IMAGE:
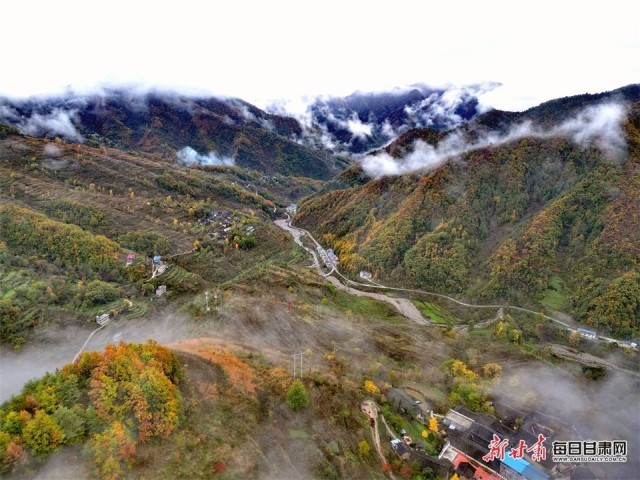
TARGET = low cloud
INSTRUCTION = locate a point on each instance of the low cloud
(358, 121)
(388, 131)
(7, 113)
(358, 128)
(58, 123)
(52, 150)
(602, 410)
(250, 117)
(423, 157)
(189, 156)
(598, 126)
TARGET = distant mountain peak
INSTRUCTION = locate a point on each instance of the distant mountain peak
(363, 121)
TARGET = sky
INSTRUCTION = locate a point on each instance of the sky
(265, 51)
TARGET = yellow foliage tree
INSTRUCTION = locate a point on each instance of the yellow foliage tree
(364, 449)
(460, 369)
(370, 387)
(492, 370)
(433, 425)
(574, 338)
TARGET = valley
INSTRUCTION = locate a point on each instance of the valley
(494, 292)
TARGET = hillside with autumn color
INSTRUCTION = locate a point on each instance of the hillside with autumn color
(192, 130)
(540, 220)
(163, 316)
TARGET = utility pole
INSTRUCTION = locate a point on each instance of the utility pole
(206, 296)
(297, 364)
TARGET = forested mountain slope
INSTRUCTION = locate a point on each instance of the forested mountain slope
(538, 216)
(200, 130)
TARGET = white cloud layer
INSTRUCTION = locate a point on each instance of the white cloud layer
(539, 50)
(598, 126)
(55, 124)
(189, 156)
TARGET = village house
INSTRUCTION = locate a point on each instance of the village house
(403, 403)
(440, 468)
(130, 259)
(588, 334)
(469, 435)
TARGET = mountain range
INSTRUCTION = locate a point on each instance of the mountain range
(363, 121)
(540, 206)
(205, 131)
(154, 212)
(216, 130)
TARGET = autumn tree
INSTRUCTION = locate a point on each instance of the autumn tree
(492, 370)
(433, 425)
(574, 338)
(42, 434)
(107, 397)
(148, 243)
(112, 450)
(11, 452)
(618, 307)
(370, 387)
(297, 396)
(364, 449)
(99, 293)
(71, 422)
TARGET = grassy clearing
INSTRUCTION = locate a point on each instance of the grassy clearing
(366, 307)
(480, 332)
(430, 392)
(554, 297)
(436, 313)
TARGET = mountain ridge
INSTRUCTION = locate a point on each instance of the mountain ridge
(218, 131)
(499, 221)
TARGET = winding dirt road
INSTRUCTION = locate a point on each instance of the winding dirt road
(370, 409)
(402, 305)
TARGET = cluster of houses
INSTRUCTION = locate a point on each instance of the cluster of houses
(365, 275)
(471, 442)
(221, 223)
(588, 334)
(292, 209)
(328, 256)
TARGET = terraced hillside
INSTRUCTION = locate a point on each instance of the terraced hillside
(131, 202)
